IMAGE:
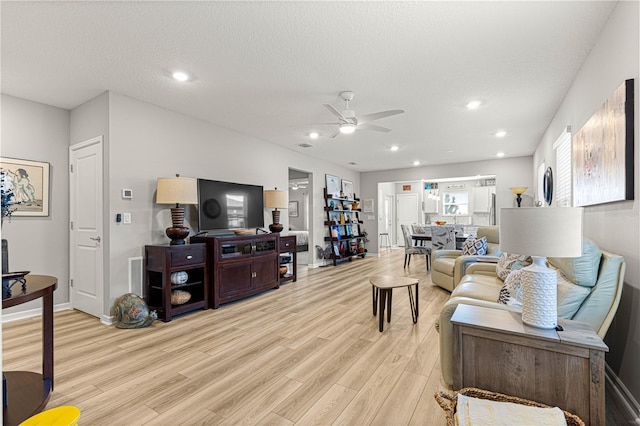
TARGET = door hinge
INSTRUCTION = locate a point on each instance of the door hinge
(71, 168)
(71, 282)
(71, 225)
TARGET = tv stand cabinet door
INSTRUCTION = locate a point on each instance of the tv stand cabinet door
(233, 280)
(266, 271)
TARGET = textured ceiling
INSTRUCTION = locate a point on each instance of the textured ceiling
(265, 68)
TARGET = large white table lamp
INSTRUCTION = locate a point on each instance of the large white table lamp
(541, 233)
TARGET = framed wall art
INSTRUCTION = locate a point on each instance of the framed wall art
(347, 189)
(333, 186)
(293, 209)
(29, 182)
(603, 152)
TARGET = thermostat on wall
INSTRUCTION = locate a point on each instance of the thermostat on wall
(127, 193)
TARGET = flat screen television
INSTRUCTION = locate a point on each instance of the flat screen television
(227, 205)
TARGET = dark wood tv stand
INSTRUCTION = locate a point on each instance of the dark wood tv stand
(240, 266)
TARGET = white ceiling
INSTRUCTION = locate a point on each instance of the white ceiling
(265, 68)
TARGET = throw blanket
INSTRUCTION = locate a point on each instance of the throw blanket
(477, 411)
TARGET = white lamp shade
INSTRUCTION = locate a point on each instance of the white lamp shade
(548, 232)
(177, 190)
(275, 199)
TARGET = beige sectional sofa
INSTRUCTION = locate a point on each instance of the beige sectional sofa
(590, 294)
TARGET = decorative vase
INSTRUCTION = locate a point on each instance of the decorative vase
(179, 278)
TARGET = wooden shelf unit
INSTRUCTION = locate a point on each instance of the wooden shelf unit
(287, 250)
(163, 260)
(344, 225)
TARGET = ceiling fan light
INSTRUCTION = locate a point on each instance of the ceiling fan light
(347, 128)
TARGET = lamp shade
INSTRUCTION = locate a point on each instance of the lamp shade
(177, 190)
(518, 189)
(548, 232)
(275, 199)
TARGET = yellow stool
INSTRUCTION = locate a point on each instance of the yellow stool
(65, 415)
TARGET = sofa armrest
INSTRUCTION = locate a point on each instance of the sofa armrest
(445, 253)
(482, 268)
(462, 264)
(445, 329)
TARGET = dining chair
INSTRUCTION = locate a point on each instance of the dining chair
(410, 249)
(443, 237)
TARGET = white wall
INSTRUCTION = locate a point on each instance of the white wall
(614, 226)
(34, 131)
(508, 171)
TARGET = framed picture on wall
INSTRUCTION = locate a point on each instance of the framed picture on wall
(28, 181)
(293, 209)
(333, 186)
(347, 189)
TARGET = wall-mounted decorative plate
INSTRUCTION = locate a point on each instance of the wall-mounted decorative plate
(548, 186)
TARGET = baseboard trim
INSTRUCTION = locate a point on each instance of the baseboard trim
(622, 396)
(107, 319)
(34, 312)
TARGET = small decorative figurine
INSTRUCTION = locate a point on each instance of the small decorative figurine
(132, 312)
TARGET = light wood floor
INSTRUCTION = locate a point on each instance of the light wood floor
(307, 353)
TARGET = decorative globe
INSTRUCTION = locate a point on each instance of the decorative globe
(179, 278)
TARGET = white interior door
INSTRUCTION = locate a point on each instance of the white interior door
(86, 236)
(407, 213)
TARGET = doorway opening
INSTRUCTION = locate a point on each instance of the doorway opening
(300, 207)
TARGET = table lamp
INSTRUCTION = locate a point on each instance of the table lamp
(536, 232)
(177, 190)
(518, 190)
(274, 199)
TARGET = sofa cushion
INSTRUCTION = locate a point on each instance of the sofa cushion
(581, 270)
(475, 246)
(509, 262)
(511, 291)
(570, 295)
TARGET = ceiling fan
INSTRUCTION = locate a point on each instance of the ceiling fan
(298, 184)
(348, 122)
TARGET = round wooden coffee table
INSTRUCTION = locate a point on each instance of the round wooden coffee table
(382, 291)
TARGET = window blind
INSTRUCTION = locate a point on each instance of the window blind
(563, 184)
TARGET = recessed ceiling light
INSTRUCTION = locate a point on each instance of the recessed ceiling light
(314, 135)
(474, 104)
(500, 154)
(394, 148)
(180, 76)
(416, 163)
(353, 163)
(501, 134)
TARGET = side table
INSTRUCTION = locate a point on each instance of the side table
(28, 393)
(382, 291)
(494, 350)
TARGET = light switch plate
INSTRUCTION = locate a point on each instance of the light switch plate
(126, 218)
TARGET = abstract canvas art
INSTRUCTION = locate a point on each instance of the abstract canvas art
(603, 152)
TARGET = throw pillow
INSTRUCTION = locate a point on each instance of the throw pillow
(511, 291)
(509, 262)
(570, 295)
(475, 246)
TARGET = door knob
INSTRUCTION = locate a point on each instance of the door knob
(95, 239)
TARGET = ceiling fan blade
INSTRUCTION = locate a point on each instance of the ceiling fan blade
(368, 126)
(333, 136)
(322, 124)
(335, 112)
(378, 115)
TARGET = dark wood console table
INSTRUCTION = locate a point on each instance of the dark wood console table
(28, 392)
